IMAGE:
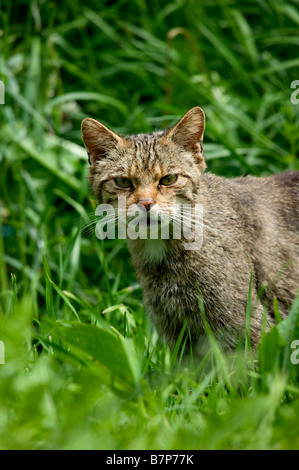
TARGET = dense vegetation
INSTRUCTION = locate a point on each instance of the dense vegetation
(83, 366)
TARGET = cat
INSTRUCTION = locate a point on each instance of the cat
(250, 232)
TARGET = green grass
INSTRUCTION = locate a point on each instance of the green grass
(84, 367)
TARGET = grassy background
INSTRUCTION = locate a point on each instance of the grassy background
(84, 368)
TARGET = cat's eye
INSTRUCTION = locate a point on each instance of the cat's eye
(123, 182)
(168, 179)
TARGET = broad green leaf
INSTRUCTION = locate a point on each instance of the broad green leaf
(112, 351)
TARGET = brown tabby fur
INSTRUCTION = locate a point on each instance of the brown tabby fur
(249, 224)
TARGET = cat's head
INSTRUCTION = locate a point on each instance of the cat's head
(161, 169)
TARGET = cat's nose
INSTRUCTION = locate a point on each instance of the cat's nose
(147, 203)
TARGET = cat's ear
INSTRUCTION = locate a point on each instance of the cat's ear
(188, 132)
(98, 139)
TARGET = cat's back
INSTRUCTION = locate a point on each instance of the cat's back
(287, 185)
(287, 182)
(275, 196)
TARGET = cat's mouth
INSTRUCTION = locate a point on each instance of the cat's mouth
(149, 221)
(153, 222)
(149, 217)
(153, 218)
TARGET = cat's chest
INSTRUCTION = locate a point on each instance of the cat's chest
(168, 284)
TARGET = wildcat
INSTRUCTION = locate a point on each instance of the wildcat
(250, 228)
